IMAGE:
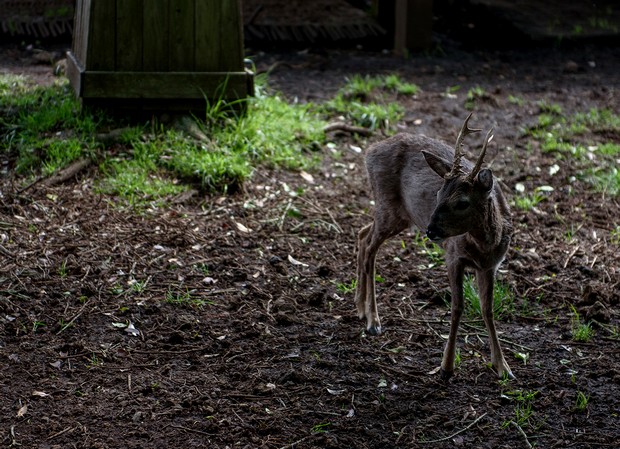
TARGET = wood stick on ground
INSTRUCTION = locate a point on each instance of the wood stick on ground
(340, 126)
(67, 173)
(522, 433)
(473, 423)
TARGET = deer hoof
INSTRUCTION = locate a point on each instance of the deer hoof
(374, 330)
(445, 375)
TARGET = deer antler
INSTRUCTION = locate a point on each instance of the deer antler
(458, 154)
(480, 160)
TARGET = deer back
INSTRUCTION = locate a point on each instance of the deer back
(402, 181)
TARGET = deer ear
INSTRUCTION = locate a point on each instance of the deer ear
(484, 179)
(439, 165)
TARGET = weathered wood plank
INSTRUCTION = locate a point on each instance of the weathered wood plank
(101, 42)
(129, 35)
(76, 45)
(181, 42)
(155, 35)
(74, 73)
(219, 44)
(231, 53)
(163, 85)
(413, 25)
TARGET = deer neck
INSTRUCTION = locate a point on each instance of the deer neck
(495, 228)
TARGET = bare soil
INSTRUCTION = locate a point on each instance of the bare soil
(241, 336)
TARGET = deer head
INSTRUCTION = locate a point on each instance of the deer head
(461, 200)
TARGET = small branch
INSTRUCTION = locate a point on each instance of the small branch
(67, 173)
(296, 442)
(570, 256)
(473, 423)
(6, 252)
(188, 429)
(522, 433)
(65, 326)
(340, 126)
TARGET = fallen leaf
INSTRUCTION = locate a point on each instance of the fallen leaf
(57, 364)
(131, 330)
(434, 371)
(22, 411)
(40, 394)
(355, 149)
(307, 177)
(335, 392)
(242, 228)
(296, 262)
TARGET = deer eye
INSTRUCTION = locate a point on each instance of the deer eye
(461, 205)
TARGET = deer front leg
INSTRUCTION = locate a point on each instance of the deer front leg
(366, 281)
(361, 284)
(486, 280)
(455, 276)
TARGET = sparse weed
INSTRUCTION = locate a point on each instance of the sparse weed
(581, 402)
(394, 83)
(347, 288)
(581, 331)
(94, 361)
(320, 428)
(474, 95)
(36, 325)
(361, 101)
(524, 412)
(184, 298)
(518, 101)
(559, 134)
(62, 269)
(457, 358)
(528, 201)
(138, 286)
(550, 108)
(503, 299)
(428, 249)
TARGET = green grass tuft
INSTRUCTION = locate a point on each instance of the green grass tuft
(503, 299)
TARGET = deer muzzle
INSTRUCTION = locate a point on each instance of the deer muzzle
(434, 233)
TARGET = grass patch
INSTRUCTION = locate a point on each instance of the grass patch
(528, 201)
(41, 127)
(503, 299)
(581, 402)
(581, 331)
(368, 101)
(566, 136)
(43, 131)
(430, 250)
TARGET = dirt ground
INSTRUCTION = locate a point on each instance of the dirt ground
(240, 335)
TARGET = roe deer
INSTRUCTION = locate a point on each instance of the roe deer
(421, 181)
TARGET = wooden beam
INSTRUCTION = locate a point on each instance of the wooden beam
(157, 85)
(413, 25)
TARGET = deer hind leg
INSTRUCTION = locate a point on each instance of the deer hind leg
(485, 288)
(455, 276)
(370, 239)
(360, 287)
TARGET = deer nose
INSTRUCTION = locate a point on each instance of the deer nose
(433, 233)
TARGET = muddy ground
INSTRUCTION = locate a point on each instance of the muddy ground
(242, 334)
